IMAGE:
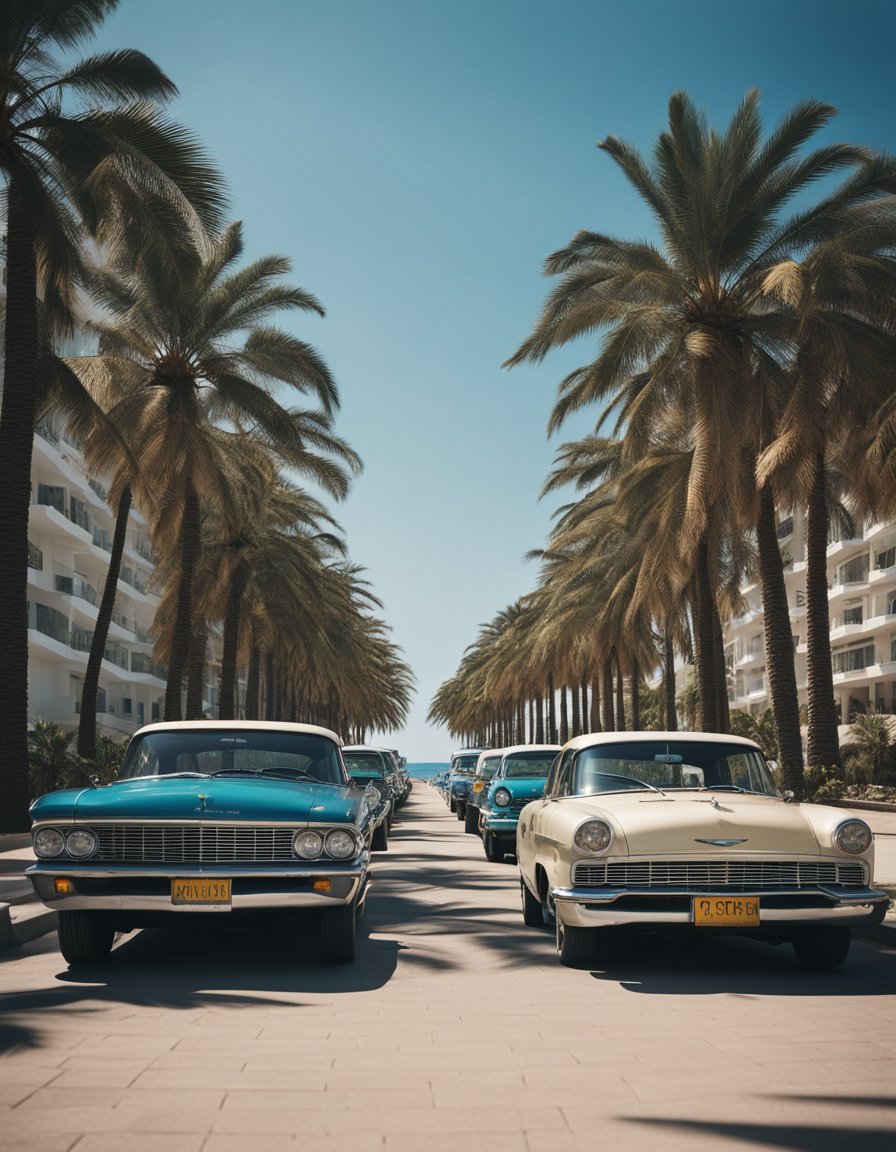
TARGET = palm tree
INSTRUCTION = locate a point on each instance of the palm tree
(187, 350)
(841, 296)
(691, 323)
(67, 174)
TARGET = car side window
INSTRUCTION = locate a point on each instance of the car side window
(558, 778)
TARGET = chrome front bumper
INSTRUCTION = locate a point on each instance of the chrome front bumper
(599, 907)
(148, 889)
(500, 824)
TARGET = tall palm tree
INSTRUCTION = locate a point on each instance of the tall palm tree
(692, 321)
(67, 173)
(841, 295)
(186, 351)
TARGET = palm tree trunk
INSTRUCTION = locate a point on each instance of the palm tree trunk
(704, 646)
(196, 670)
(721, 670)
(636, 696)
(564, 715)
(539, 720)
(180, 644)
(521, 721)
(227, 695)
(552, 711)
(609, 720)
(669, 682)
(595, 702)
(583, 689)
(576, 714)
(269, 685)
(89, 690)
(779, 661)
(252, 683)
(823, 745)
(16, 442)
(620, 694)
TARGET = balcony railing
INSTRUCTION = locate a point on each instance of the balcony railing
(785, 528)
(76, 586)
(35, 557)
(117, 654)
(82, 639)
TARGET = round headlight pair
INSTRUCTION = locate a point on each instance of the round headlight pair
(853, 836)
(79, 843)
(593, 836)
(502, 797)
(311, 845)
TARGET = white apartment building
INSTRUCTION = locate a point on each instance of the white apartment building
(862, 599)
(70, 531)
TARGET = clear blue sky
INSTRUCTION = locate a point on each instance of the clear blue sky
(417, 160)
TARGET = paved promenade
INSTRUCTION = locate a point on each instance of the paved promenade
(456, 1029)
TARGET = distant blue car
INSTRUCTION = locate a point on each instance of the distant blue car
(460, 779)
(519, 779)
(209, 818)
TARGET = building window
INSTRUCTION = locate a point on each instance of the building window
(854, 571)
(853, 659)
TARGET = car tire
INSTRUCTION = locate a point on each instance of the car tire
(84, 937)
(461, 809)
(338, 934)
(575, 946)
(494, 850)
(533, 913)
(452, 805)
(471, 819)
(823, 947)
(380, 841)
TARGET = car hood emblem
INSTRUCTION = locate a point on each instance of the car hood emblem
(720, 843)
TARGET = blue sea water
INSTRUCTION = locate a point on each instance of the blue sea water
(426, 771)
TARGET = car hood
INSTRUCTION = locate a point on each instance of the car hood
(190, 798)
(681, 824)
(521, 788)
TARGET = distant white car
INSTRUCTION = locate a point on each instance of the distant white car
(686, 831)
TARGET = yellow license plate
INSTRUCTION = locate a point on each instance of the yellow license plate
(737, 911)
(200, 892)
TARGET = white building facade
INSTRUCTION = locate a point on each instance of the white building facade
(862, 603)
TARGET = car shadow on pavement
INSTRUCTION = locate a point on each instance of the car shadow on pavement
(799, 1137)
(725, 965)
(193, 967)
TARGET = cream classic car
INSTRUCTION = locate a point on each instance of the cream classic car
(686, 831)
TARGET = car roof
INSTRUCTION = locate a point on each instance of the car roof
(238, 726)
(594, 739)
(514, 749)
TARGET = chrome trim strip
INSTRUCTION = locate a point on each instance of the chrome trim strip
(207, 820)
(239, 903)
(841, 898)
(206, 871)
(597, 918)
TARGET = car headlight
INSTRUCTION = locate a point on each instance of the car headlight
(80, 843)
(593, 836)
(309, 845)
(502, 797)
(853, 836)
(48, 842)
(341, 844)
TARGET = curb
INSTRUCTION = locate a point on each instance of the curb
(865, 805)
(21, 923)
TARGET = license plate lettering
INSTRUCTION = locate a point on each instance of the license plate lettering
(205, 892)
(738, 911)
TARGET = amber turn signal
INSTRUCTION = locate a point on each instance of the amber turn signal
(63, 886)
(322, 885)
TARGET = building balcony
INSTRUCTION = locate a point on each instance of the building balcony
(840, 549)
(45, 518)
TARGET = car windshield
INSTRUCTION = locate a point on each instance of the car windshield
(242, 752)
(464, 765)
(367, 764)
(670, 764)
(526, 764)
(488, 768)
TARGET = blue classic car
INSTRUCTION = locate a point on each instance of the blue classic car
(520, 778)
(486, 767)
(208, 818)
(460, 779)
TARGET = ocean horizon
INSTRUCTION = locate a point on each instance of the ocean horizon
(423, 770)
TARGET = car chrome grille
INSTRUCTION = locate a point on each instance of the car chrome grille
(711, 875)
(194, 843)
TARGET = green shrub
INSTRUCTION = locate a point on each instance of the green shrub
(50, 759)
(824, 782)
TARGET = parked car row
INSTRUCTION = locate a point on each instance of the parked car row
(244, 819)
(657, 832)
